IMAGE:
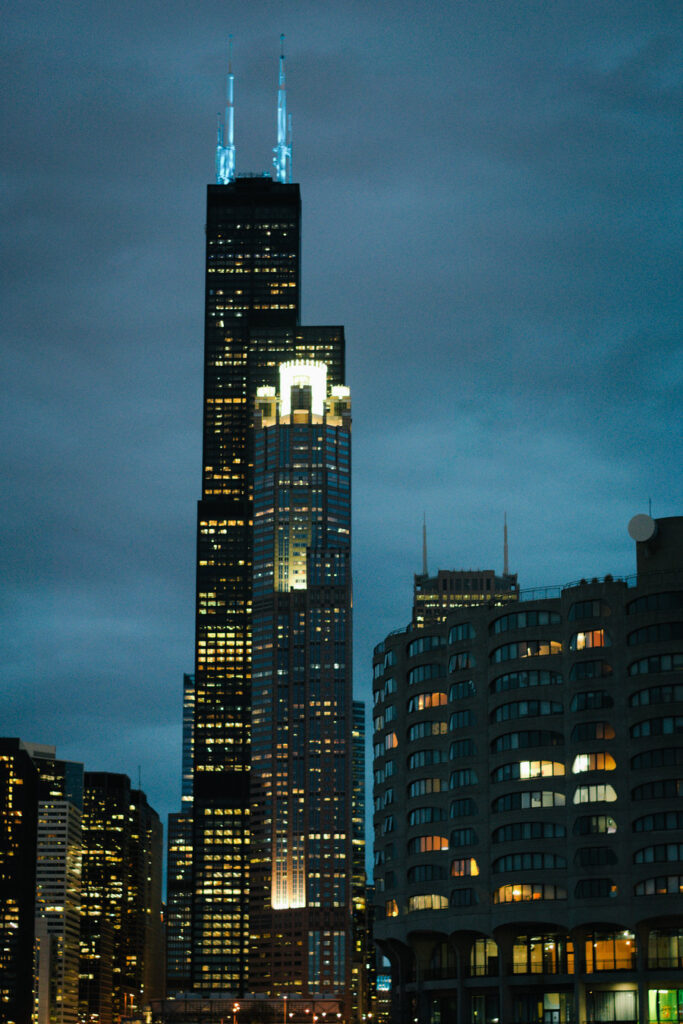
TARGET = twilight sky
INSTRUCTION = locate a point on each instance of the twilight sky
(491, 205)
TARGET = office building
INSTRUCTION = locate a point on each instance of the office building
(58, 885)
(528, 822)
(18, 831)
(121, 962)
(302, 720)
(252, 325)
(179, 863)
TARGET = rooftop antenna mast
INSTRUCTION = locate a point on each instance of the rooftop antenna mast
(225, 147)
(283, 151)
(506, 567)
(425, 571)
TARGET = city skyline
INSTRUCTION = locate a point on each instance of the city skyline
(525, 353)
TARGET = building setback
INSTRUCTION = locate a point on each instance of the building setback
(527, 781)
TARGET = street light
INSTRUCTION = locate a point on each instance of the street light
(235, 1011)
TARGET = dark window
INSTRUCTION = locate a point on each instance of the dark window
(656, 633)
(656, 602)
(521, 680)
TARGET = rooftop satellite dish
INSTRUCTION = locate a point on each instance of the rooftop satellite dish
(642, 528)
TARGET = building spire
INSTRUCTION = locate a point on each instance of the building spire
(225, 146)
(425, 571)
(506, 567)
(283, 151)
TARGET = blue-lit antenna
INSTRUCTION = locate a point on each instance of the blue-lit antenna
(283, 151)
(225, 153)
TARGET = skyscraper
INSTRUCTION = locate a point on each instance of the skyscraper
(18, 826)
(58, 884)
(251, 326)
(301, 767)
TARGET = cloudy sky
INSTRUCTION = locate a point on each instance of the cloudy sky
(491, 197)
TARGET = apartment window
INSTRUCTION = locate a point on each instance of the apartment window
(424, 643)
(427, 901)
(656, 633)
(591, 638)
(427, 844)
(461, 660)
(662, 821)
(590, 670)
(659, 854)
(464, 866)
(657, 663)
(462, 748)
(463, 631)
(595, 888)
(591, 700)
(525, 709)
(526, 649)
(594, 825)
(522, 620)
(522, 680)
(517, 830)
(598, 762)
(526, 892)
(601, 793)
(656, 602)
(461, 690)
(658, 726)
(588, 610)
(527, 800)
(528, 861)
(663, 885)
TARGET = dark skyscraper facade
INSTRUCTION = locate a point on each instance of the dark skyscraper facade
(251, 326)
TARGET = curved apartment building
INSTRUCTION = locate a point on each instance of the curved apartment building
(528, 774)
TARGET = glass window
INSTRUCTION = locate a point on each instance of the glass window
(526, 649)
(525, 709)
(483, 958)
(598, 762)
(595, 888)
(522, 620)
(656, 633)
(424, 815)
(594, 856)
(463, 808)
(657, 695)
(463, 898)
(658, 789)
(665, 757)
(461, 660)
(594, 609)
(665, 1004)
(525, 739)
(461, 690)
(425, 643)
(423, 758)
(462, 748)
(656, 602)
(427, 844)
(463, 631)
(591, 638)
(657, 663)
(463, 837)
(463, 777)
(662, 821)
(427, 901)
(464, 866)
(591, 700)
(601, 793)
(427, 873)
(595, 825)
(663, 885)
(527, 770)
(593, 731)
(422, 787)
(423, 729)
(461, 720)
(528, 861)
(422, 672)
(658, 726)
(517, 830)
(665, 948)
(524, 892)
(590, 670)
(610, 951)
(661, 853)
(528, 799)
(424, 701)
(543, 954)
(522, 680)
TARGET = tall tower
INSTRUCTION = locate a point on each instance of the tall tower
(301, 770)
(251, 326)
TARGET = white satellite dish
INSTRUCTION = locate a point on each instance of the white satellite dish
(642, 528)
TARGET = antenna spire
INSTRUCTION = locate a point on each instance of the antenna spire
(425, 571)
(225, 146)
(506, 567)
(283, 151)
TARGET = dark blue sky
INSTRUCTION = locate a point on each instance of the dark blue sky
(491, 196)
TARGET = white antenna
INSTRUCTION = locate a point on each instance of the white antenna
(425, 571)
(506, 567)
(283, 151)
(225, 153)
